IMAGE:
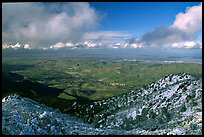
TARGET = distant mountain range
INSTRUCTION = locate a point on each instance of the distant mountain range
(171, 105)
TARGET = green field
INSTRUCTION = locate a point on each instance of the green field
(95, 80)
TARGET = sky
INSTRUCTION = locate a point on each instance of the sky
(102, 24)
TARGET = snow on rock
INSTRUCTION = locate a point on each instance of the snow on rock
(44, 114)
(160, 108)
(132, 114)
(170, 92)
(38, 121)
(3, 100)
(178, 131)
(164, 100)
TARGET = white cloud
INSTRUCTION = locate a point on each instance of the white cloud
(45, 48)
(16, 46)
(57, 45)
(6, 46)
(185, 28)
(69, 44)
(89, 44)
(191, 21)
(200, 43)
(27, 46)
(187, 44)
(42, 24)
(136, 45)
(118, 44)
(69, 25)
(126, 45)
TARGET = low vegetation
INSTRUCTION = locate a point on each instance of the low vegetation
(95, 80)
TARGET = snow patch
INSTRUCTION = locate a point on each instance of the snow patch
(177, 131)
(132, 114)
(43, 115)
(170, 92)
(3, 100)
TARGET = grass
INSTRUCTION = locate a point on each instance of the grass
(48, 82)
(78, 76)
(65, 96)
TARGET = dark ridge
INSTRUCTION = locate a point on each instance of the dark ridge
(8, 67)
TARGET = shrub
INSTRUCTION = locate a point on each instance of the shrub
(152, 115)
(193, 94)
(193, 126)
(144, 111)
(194, 103)
(183, 108)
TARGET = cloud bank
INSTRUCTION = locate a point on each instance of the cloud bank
(42, 24)
(185, 28)
(106, 37)
(70, 25)
(187, 44)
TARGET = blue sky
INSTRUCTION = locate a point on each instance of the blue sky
(112, 24)
(138, 17)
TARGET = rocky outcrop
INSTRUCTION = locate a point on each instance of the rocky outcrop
(171, 105)
(22, 116)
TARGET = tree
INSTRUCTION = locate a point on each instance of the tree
(183, 108)
(128, 123)
(144, 111)
(194, 103)
(152, 115)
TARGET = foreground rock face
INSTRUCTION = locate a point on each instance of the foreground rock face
(22, 116)
(171, 105)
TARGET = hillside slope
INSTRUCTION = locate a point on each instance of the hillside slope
(22, 116)
(171, 105)
(173, 101)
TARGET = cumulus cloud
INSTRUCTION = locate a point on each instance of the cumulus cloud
(42, 24)
(27, 46)
(136, 45)
(70, 45)
(57, 45)
(185, 28)
(118, 44)
(200, 43)
(89, 44)
(16, 46)
(6, 46)
(70, 25)
(187, 44)
(189, 22)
